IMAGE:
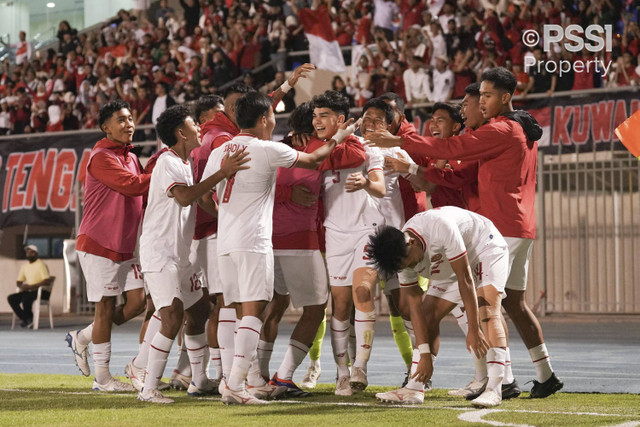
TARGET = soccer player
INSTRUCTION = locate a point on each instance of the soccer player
(507, 150)
(467, 261)
(300, 272)
(216, 130)
(174, 283)
(352, 212)
(245, 254)
(114, 188)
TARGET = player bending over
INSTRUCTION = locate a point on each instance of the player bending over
(437, 243)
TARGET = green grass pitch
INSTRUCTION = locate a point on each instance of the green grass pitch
(47, 400)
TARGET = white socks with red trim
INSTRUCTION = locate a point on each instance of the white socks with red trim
(196, 349)
(296, 352)
(508, 373)
(153, 327)
(495, 368)
(364, 323)
(264, 357)
(214, 354)
(540, 359)
(340, 344)
(101, 358)
(226, 338)
(158, 355)
(246, 343)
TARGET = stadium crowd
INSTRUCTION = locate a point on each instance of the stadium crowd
(164, 56)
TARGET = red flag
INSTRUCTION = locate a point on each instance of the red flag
(629, 133)
(324, 50)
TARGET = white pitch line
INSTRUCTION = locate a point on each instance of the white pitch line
(470, 414)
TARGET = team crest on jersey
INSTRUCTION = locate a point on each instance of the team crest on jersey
(436, 258)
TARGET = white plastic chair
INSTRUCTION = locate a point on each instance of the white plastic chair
(36, 306)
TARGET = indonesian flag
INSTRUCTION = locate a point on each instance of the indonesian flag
(324, 50)
(629, 133)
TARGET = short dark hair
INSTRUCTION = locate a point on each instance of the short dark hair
(386, 250)
(501, 78)
(250, 107)
(109, 109)
(206, 103)
(454, 111)
(392, 96)
(301, 118)
(381, 105)
(241, 88)
(170, 119)
(473, 90)
(333, 100)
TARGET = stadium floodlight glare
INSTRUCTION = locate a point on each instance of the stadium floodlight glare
(51, 5)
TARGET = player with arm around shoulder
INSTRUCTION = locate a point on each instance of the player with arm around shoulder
(167, 230)
(476, 252)
(245, 251)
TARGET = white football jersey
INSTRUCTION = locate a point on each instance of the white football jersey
(245, 215)
(352, 211)
(447, 234)
(167, 227)
(391, 203)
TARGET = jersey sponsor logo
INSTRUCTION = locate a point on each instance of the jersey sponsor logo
(339, 277)
(438, 288)
(436, 258)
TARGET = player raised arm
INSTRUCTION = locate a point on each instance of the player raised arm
(312, 160)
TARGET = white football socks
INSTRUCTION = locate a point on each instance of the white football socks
(226, 338)
(183, 367)
(84, 335)
(214, 354)
(340, 344)
(153, 327)
(508, 373)
(541, 361)
(409, 327)
(246, 343)
(265, 349)
(296, 352)
(364, 323)
(196, 351)
(101, 358)
(158, 355)
(495, 368)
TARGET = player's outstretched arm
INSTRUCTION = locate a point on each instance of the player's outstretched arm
(186, 195)
(413, 298)
(476, 343)
(312, 160)
(383, 139)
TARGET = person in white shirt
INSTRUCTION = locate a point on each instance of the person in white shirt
(167, 230)
(443, 81)
(416, 83)
(384, 13)
(467, 260)
(351, 215)
(245, 251)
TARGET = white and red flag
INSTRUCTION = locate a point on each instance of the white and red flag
(324, 50)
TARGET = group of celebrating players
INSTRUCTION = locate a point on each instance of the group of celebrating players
(232, 228)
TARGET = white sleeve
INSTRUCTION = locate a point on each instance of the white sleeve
(375, 159)
(408, 277)
(448, 240)
(280, 155)
(213, 165)
(169, 174)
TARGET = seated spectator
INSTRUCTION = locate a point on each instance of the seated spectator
(32, 275)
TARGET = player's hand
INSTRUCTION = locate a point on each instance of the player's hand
(300, 139)
(424, 371)
(396, 165)
(476, 343)
(301, 195)
(234, 163)
(355, 181)
(383, 139)
(300, 73)
(346, 129)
